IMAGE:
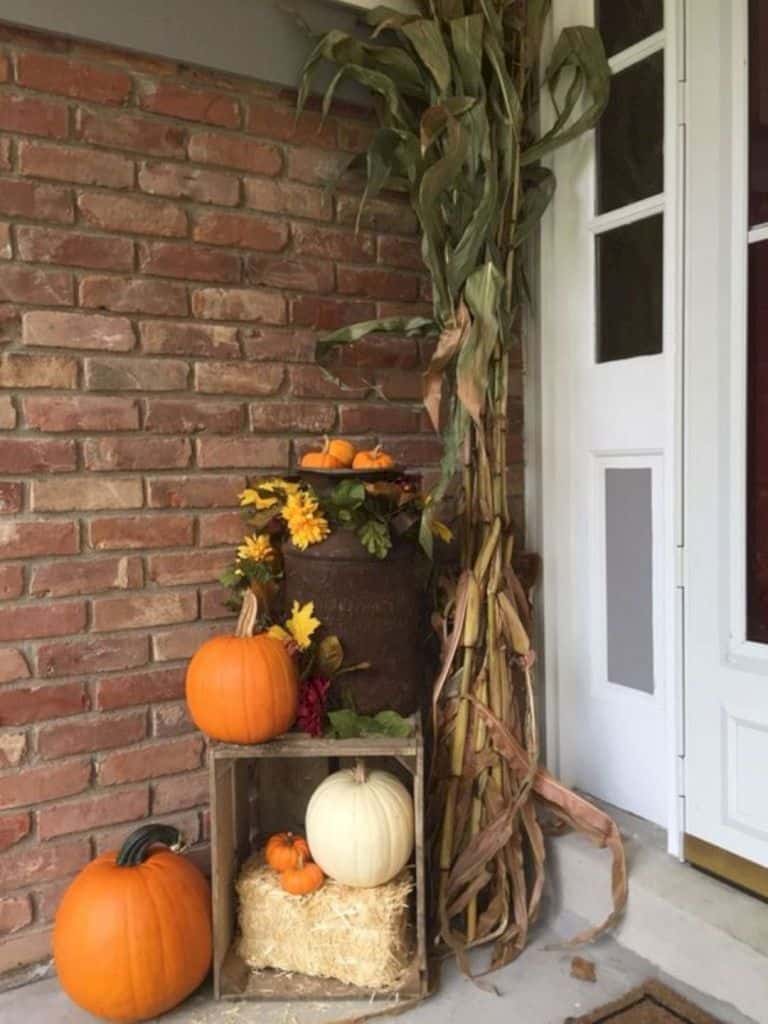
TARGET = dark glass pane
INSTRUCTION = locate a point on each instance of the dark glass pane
(630, 136)
(757, 445)
(758, 112)
(623, 23)
(630, 263)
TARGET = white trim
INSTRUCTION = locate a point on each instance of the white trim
(634, 54)
(627, 214)
(758, 233)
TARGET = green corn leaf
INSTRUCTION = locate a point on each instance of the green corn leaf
(537, 194)
(427, 40)
(387, 325)
(467, 40)
(482, 293)
(435, 119)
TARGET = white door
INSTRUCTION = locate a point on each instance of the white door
(608, 425)
(726, 521)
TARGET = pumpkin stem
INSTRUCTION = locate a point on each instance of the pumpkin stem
(360, 771)
(249, 613)
(137, 846)
(326, 444)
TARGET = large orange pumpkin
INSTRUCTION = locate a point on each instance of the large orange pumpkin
(243, 688)
(132, 937)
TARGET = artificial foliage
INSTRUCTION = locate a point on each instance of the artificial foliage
(456, 88)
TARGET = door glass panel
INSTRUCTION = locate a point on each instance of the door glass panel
(630, 136)
(629, 577)
(757, 446)
(623, 23)
(629, 290)
(758, 113)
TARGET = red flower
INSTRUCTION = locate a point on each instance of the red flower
(312, 702)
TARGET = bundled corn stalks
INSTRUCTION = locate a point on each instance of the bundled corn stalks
(455, 90)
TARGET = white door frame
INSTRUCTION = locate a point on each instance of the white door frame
(547, 413)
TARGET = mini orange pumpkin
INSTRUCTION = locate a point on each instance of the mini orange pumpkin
(243, 688)
(377, 458)
(324, 459)
(304, 878)
(132, 937)
(342, 450)
(284, 849)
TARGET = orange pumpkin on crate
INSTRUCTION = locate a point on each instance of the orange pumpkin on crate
(284, 849)
(243, 688)
(306, 877)
(376, 458)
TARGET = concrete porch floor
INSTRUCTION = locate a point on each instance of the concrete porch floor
(537, 989)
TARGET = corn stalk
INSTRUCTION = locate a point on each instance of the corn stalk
(456, 88)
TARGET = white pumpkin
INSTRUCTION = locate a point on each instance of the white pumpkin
(360, 826)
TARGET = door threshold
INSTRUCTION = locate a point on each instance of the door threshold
(729, 867)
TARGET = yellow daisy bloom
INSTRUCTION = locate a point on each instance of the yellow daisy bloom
(256, 548)
(250, 496)
(305, 523)
(262, 496)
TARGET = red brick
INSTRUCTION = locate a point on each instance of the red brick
(213, 603)
(19, 198)
(63, 579)
(6, 154)
(183, 641)
(171, 720)
(138, 374)
(35, 287)
(192, 262)
(374, 283)
(47, 899)
(37, 371)
(194, 491)
(33, 116)
(201, 105)
(73, 249)
(33, 455)
(13, 828)
(333, 243)
(5, 69)
(294, 275)
(77, 330)
(29, 947)
(140, 688)
(394, 419)
(26, 540)
(301, 417)
(138, 532)
(108, 453)
(91, 654)
(248, 452)
(43, 863)
(86, 493)
(149, 609)
(404, 253)
(380, 352)
(243, 230)
(238, 378)
(82, 81)
(239, 304)
(266, 343)
(39, 703)
(416, 451)
(132, 214)
(10, 323)
(7, 413)
(6, 248)
(315, 382)
(189, 339)
(37, 785)
(171, 570)
(134, 295)
(406, 309)
(316, 166)
(187, 822)
(325, 314)
(286, 197)
(181, 182)
(179, 793)
(275, 121)
(130, 131)
(220, 528)
(235, 151)
(356, 136)
(13, 747)
(92, 812)
(377, 215)
(62, 413)
(169, 416)
(11, 497)
(15, 913)
(11, 581)
(85, 735)
(24, 622)
(149, 762)
(67, 163)
(398, 385)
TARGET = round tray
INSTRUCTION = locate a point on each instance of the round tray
(391, 473)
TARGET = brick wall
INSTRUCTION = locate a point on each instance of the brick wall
(167, 252)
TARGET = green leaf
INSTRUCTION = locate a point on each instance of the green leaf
(390, 324)
(394, 724)
(482, 292)
(467, 39)
(329, 657)
(427, 40)
(435, 118)
(375, 538)
(537, 195)
(349, 494)
(347, 724)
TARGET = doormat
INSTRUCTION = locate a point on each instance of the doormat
(652, 1003)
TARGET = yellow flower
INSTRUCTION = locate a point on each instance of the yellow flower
(305, 523)
(256, 548)
(250, 496)
(280, 634)
(263, 496)
(441, 531)
(302, 624)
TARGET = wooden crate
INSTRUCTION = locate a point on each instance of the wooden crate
(256, 790)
